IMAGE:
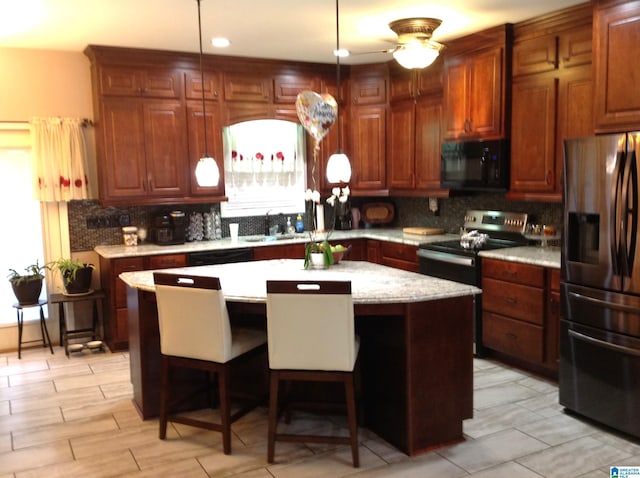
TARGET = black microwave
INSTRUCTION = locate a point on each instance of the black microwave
(475, 166)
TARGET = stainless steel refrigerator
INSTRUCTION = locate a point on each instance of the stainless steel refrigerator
(600, 314)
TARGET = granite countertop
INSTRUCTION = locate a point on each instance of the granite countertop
(148, 249)
(536, 255)
(371, 283)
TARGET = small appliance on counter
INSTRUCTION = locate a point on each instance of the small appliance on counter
(169, 228)
(343, 216)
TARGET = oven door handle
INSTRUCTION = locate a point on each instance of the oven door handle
(444, 257)
(602, 343)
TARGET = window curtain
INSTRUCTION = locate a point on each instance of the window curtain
(59, 156)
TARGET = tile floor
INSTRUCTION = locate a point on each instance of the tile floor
(63, 417)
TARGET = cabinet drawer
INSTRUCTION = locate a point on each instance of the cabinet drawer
(124, 265)
(515, 300)
(519, 339)
(165, 262)
(513, 272)
(400, 251)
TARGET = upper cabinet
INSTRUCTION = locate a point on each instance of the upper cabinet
(552, 99)
(367, 129)
(150, 122)
(150, 82)
(477, 86)
(415, 131)
(617, 71)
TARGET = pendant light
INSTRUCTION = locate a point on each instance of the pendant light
(338, 166)
(207, 172)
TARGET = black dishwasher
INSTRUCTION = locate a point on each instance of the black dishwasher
(223, 256)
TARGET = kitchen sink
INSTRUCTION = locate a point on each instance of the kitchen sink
(279, 237)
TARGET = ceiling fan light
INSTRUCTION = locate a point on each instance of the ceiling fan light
(207, 172)
(338, 169)
(416, 55)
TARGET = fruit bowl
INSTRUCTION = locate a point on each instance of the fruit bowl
(337, 256)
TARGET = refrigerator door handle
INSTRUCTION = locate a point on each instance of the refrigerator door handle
(602, 343)
(615, 214)
(631, 212)
(604, 303)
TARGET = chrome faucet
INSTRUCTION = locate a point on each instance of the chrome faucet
(267, 223)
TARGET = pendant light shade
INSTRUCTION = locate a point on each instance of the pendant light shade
(207, 171)
(338, 166)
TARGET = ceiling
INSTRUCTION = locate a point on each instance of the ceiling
(300, 30)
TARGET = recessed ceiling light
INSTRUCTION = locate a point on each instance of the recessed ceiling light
(220, 42)
(342, 52)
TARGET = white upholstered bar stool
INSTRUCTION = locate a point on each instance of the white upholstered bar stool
(195, 333)
(311, 337)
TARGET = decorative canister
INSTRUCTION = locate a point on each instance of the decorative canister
(130, 235)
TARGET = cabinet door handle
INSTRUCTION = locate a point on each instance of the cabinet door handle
(510, 300)
(144, 185)
(548, 177)
(511, 336)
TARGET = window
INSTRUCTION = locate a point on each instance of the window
(22, 241)
(264, 167)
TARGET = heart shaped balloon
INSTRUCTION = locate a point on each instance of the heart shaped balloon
(316, 112)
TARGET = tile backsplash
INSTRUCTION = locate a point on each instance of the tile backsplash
(408, 212)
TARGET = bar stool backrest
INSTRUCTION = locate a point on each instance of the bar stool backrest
(193, 317)
(310, 325)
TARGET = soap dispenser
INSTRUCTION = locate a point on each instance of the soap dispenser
(290, 228)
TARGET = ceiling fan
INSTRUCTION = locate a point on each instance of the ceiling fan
(414, 48)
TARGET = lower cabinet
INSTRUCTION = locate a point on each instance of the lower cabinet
(520, 313)
(115, 312)
(400, 256)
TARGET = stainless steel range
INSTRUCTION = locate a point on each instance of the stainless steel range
(459, 260)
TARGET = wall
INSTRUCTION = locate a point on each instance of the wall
(42, 83)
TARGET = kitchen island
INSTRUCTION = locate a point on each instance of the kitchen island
(416, 332)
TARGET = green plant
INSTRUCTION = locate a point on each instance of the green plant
(68, 268)
(33, 272)
(323, 248)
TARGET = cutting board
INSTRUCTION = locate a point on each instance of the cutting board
(423, 231)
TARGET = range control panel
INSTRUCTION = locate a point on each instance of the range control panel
(500, 221)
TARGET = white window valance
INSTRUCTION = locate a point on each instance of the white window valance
(59, 156)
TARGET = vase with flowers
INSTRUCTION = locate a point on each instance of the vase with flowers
(318, 252)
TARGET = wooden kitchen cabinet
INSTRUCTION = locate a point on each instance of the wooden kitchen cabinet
(552, 99)
(137, 81)
(368, 129)
(115, 312)
(517, 313)
(367, 138)
(195, 137)
(474, 95)
(287, 86)
(617, 45)
(552, 326)
(399, 256)
(513, 309)
(414, 138)
(144, 149)
(248, 86)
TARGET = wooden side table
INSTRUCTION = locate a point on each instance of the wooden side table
(65, 333)
(43, 325)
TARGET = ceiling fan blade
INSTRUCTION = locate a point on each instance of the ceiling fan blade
(370, 52)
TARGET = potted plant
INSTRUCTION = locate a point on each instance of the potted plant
(318, 254)
(27, 286)
(76, 275)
